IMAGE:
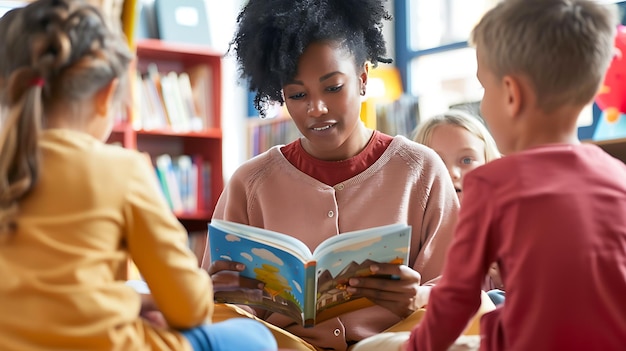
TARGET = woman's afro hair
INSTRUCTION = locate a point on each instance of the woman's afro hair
(272, 34)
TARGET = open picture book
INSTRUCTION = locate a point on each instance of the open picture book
(309, 287)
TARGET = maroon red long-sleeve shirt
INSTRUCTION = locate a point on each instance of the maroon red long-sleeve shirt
(554, 218)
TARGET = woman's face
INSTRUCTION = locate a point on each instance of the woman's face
(460, 150)
(324, 101)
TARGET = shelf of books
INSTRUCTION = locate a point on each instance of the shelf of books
(175, 118)
(265, 133)
(398, 117)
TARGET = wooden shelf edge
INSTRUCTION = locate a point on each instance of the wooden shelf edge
(614, 147)
(213, 133)
(208, 133)
(616, 141)
(165, 46)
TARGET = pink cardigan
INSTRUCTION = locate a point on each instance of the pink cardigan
(408, 183)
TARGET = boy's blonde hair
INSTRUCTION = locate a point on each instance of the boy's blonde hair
(472, 124)
(563, 47)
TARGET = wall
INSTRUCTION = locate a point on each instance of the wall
(222, 23)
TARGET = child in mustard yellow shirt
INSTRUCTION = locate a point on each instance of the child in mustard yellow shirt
(73, 210)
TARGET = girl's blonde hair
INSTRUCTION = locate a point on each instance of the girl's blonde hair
(472, 124)
(54, 53)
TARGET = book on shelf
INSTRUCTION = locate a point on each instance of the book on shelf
(179, 121)
(201, 79)
(196, 122)
(309, 287)
(204, 184)
(152, 114)
(172, 100)
(398, 117)
(154, 87)
(186, 175)
(183, 21)
(169, 181)
(263, 134)
(185, 182)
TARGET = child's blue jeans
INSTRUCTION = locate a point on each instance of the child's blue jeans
(231, 335)
(497, 296)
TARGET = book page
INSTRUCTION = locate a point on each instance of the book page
(350, 255)
(279, 240)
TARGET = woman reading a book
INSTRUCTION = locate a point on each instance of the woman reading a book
(314, 56)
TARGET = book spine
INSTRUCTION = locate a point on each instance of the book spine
(168, 172)
(310, 295)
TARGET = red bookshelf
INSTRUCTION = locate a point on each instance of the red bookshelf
(204, 143)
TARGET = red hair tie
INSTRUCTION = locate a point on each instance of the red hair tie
(37, 82)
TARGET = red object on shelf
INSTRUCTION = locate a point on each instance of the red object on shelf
(612, 96)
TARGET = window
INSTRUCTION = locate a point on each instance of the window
(444, 79)
(433, 55)
(434, 23)
(6, 6)
(434, 59)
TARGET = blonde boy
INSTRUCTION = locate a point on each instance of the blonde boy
(551, 212)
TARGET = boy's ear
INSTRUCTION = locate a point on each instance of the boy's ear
(513, 93)
(103, 99)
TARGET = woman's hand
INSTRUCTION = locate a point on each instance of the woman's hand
(225, 276)
(494, 274)
(395, 287)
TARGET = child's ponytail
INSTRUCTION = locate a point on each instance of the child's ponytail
(19, 156)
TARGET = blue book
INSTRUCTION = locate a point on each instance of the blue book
(309, 287)
(183, 21)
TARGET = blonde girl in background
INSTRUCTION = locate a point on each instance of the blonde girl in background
(73, 210)
(461, 140)
(463, 143)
